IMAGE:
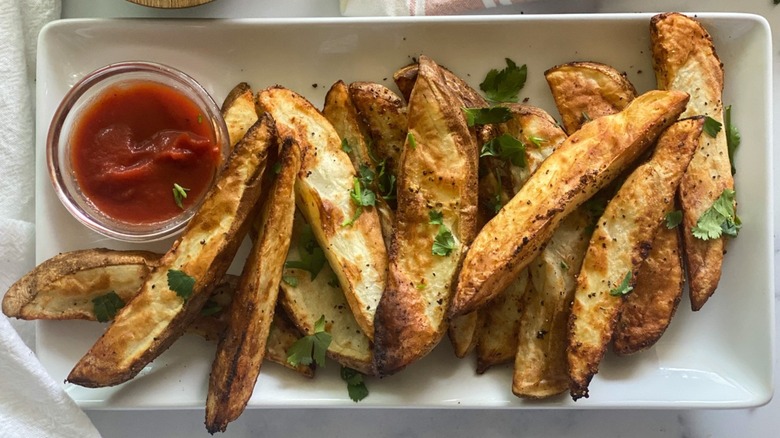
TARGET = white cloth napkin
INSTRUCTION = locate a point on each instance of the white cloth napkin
(418, 7)
(31, 403)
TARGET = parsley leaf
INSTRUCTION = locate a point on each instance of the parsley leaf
(719, 219)
(179, 194)
(366, 175)
(733, 139)
(624, 288)
(291, 280)
(362, 197)
(410, 139)
(486, 116)
(537, 141)
(210, 308)
(345, 146)
(443, 243)
(356, 387)
(504, 85)
(712, 126)
(105, 306)
(435, 217)
(181, 283)
(673, 218)
(312, 256)
(311, 348)
(505, 146)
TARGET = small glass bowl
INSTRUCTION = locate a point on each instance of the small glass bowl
(79, 98)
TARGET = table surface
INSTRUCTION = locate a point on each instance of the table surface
(758, 422)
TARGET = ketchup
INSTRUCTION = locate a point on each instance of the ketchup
(133, 143)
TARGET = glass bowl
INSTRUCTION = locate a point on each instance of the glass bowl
(81, 99)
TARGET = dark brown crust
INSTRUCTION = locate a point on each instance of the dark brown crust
(406, 77)
(133, 339)
(234, 94)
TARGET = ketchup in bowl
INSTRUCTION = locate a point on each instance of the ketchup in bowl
(133, 149)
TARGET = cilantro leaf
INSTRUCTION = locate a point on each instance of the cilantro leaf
(537, 141)
(311, 348)
(504, 85)
(506, 146)
(362, 197)
(366, 175)
(711, 126)
(356, 387)
(312, 256)
(291, 280)
(179, 194)
(385, 181)
(345, 146)
(443, 243)
(673, 218)
(210, 308)
(486, 116)
(624, 288)
(105, 306)
(181, 283)
(495, 203)
(435, 217)
(733, 138)
(411, 140)
(719, 219)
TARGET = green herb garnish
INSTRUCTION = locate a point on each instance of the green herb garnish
(435, 217)
(356, 387)
(443, 243)
(504, 85)
(179, 194)
(312, 256)
(181, 283)
(712, 126)
(673, 219)
(505, 146)
(733, 138)
(719, 219)
(361, 197)
(345, 146)
(410, 139)
(105, 306)
(311, 348)
(486, 116)
(624, 288)
(290, 280)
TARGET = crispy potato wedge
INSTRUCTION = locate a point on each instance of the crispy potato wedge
(499, 321)
(462, 331)
(306, 299)
(242, 347)
(406, 77)
(411, 319)
(619, 245)
(384, 115)
(341, 113)
(356, 251)
(585, 91)
(684, 58)
(64, 286)
(157, 316)
(239, 112)
(540, 362)
(587, 161)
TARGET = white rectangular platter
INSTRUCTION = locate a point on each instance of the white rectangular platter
(720, 356)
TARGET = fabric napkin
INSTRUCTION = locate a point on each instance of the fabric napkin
(32, 404)
(418, 7)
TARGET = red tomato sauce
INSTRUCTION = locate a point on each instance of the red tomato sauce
(133, 143)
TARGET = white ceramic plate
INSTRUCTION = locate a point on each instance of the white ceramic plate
(719, 357)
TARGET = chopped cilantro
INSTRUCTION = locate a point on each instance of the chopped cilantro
(486, 116)
(496, 204)
(105, 306)
(443, 243)
(345, 146)
(624, 288)
(719, 219)
(673, 218)
(181, 283)
(291, 280)
(356, 387)
(435, 217)
(361, 197)
(537, 141)
(311, 348)
(504, 85)
(711, 126)
(312, 257)
(179, 194)
(505, 146)
(733, 138)
(411, 140)
(421, 286)
(366, 175)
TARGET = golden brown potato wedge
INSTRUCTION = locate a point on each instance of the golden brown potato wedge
(352, 241)
(411, 319)
(618, 246)
(406, 77)
(242, 347)
(585, 91)
(540, 362)
(308, 295)
(239, 112)
(584, 163)
(684, 58)
(158, 315)
(462, 331)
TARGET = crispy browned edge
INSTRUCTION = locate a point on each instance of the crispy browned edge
(402, 332)
(237, 125)
(100, 366)
(406, 76)
(675, 40)
(240, 89)
(242, 347)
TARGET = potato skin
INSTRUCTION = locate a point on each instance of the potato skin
(684, 58)
(584, 163)
(239, 112)
(411, 319)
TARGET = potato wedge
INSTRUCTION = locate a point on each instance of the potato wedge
(462, 331)
(585, 91)
(540, 362)
(684, 58)
(242, 347)
(239, 112)
(356, 251)
(410, 319)
(587, 161)
(341, 113)
(157, 316)
(618, 247)
(405, 79)
(308, 295)
(499, 321)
